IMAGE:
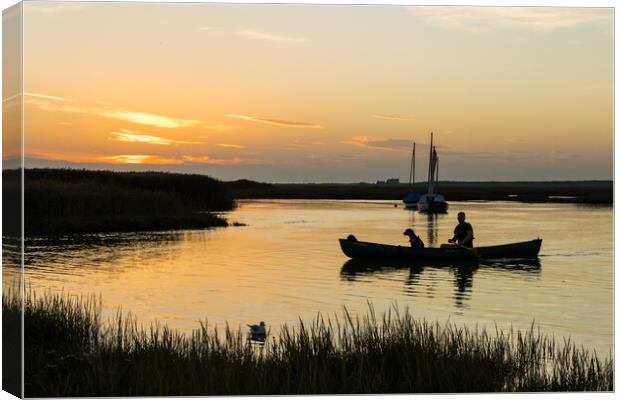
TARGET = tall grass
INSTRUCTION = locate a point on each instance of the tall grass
(70, 351)
(67, 201)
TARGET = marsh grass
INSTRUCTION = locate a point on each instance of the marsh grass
(71, 351)
(73, 201)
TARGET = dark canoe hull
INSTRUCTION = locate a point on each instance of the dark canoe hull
(384, 252)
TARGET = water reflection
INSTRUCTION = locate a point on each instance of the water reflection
(433, 231)
(51, 263)
(463, 281)
(432, 226)
(463, 273)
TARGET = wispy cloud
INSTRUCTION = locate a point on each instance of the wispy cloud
(232, 161)
(126, 135)
(477, 19)
(139, 159)
(280, 122)
(232, 146)
(44, 96)
(270, 37)
(392, 117)
(36, 95)
(13, 97)
(147, 159)
(137, 117)
(142, 118)
(400, 145)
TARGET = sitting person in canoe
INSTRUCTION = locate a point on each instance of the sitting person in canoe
(414, 239)
(463, 234)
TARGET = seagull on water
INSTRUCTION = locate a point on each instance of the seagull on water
(258, 330)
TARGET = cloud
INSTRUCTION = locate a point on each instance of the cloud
(233, 146)
(270, 37)
(279, 122)
(44, 96)
(142, 118)
(13, 97)
(478, 19)
(126, 135)
(136, 117)
(41, 96)
(234, 161)
(305, 144)
(392, 117)
(383, 144)
(139, 159)
(85, 158)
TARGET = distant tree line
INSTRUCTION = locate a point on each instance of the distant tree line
(585, 192)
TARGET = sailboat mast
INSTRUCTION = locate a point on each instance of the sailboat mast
(436, 167)
(430, 168)
(413, 167)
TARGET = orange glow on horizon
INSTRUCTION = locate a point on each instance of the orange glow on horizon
(510, 93)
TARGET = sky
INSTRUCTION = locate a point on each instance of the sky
(320, 93)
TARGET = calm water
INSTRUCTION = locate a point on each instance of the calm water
(286, 263)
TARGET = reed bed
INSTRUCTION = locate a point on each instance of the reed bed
(71, 351)
(72, 201)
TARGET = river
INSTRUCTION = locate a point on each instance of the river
(286, 264)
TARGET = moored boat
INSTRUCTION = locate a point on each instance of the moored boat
(412, 198)
(375, 251)
(432, 202)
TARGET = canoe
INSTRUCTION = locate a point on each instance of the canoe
(376, 251)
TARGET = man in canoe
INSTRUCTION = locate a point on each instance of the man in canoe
(414, 239)
(463, 233)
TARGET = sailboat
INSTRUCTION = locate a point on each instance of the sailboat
(432, 202)
(412, 198)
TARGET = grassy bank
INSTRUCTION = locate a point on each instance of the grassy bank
(66, 201)
(70, 351)
(584, 192)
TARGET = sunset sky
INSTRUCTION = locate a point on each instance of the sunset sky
(319, 93)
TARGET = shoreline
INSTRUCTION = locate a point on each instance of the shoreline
(581, 192)
(52, 227)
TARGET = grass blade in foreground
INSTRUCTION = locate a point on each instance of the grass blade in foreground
(69, 351)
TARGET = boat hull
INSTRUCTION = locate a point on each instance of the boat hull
(433, 203)
(435, 207)
(411, 206)
(411, 201)
(383, 252)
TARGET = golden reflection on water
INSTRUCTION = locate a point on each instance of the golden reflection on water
(287, 264)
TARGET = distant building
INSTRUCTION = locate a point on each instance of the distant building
(391, 181)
